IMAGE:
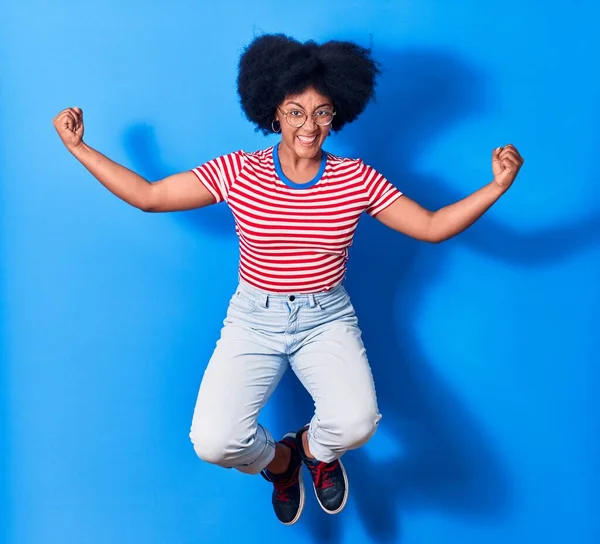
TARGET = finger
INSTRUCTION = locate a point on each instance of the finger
(509, 156)
(509, 165)
(78, 116)
(496, 154)
(511, 147)
(513, 158)
(65, 112)
(61, 114)
(510, 153)
(77, 113)
(67, 122)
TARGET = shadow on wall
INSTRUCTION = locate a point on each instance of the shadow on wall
(6, 499)
(447, 461)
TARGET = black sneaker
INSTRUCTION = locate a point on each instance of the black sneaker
(329, 480)
(288, 492)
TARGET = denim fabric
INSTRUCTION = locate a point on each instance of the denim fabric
(263, 333)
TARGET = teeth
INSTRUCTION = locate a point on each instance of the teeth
(307, 139)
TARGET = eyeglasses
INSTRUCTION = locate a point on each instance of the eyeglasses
(297, 118)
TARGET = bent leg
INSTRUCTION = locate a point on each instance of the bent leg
(242, 373)
(332, 365)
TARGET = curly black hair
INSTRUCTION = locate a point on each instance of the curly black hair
(274, 66)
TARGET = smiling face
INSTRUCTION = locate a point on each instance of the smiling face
(304, 142)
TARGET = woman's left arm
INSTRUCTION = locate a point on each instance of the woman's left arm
(408, 217)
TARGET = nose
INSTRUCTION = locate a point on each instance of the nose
(310, 123)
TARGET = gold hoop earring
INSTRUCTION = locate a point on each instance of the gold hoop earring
(273, 126)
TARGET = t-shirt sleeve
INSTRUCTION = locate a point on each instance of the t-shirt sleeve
(218, 175)
(380, 191)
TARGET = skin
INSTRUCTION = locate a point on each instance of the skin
(300, 162)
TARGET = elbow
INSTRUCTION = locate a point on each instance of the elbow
(148, 202)
(435, 239)
(147, 208)
(437, 232)
(438, 237)
(434, 236)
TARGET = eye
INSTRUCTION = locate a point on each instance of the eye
(323, 113)
(296, 113)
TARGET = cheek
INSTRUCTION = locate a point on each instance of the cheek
(289, 133)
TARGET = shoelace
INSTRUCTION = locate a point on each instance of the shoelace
(283, 485)
(322, 474)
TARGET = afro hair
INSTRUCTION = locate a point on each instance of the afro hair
(274, 66)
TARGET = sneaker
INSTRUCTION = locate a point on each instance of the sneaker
(329, 480)
(288, 492)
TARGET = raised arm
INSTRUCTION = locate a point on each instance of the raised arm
(178, 192)
(410, 218)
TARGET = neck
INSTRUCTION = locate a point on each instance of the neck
(295, 163)
(297, 169)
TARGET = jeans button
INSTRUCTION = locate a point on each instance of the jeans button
(291, 298)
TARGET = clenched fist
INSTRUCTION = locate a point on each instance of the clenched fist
(506, 163)
(69, 125)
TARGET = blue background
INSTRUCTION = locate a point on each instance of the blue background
(484, 348)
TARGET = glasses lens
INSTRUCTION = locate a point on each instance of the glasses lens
(296, 118)
(323, 117)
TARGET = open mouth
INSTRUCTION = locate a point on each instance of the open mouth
(307, 140)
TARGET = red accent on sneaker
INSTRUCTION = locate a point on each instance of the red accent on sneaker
(322, 478)
(282, 486)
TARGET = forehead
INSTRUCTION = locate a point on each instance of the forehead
(309, 97)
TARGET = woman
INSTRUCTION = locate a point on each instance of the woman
(296, 208)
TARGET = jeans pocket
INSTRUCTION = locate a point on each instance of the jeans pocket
(334, 302)
(242, 303)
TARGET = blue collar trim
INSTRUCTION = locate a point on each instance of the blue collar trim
(293, 184)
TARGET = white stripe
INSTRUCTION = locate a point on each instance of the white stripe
(321, 260)
(340, 205)
(280, 233)
(291, 275)
(314, 224)
(306, 287)
(291, 280)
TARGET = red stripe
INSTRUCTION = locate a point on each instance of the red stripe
(282, 254)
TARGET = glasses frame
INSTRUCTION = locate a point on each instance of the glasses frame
(286, 113)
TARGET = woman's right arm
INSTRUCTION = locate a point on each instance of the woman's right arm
(174, 193)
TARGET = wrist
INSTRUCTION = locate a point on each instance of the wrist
(498, 189)
(79, 149)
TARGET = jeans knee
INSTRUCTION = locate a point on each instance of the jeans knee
(209, 446)
(226, 446)
(356, 431)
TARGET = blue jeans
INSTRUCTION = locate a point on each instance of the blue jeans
(318, 336)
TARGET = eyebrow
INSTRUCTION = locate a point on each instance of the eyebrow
(301, 106)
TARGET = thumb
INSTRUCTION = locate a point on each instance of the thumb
(496, 155)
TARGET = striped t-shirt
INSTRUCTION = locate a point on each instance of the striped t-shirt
(294, 237)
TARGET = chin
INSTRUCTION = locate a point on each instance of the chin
(307, 152)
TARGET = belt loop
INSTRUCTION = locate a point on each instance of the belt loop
(264, 300)
(311, 300)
